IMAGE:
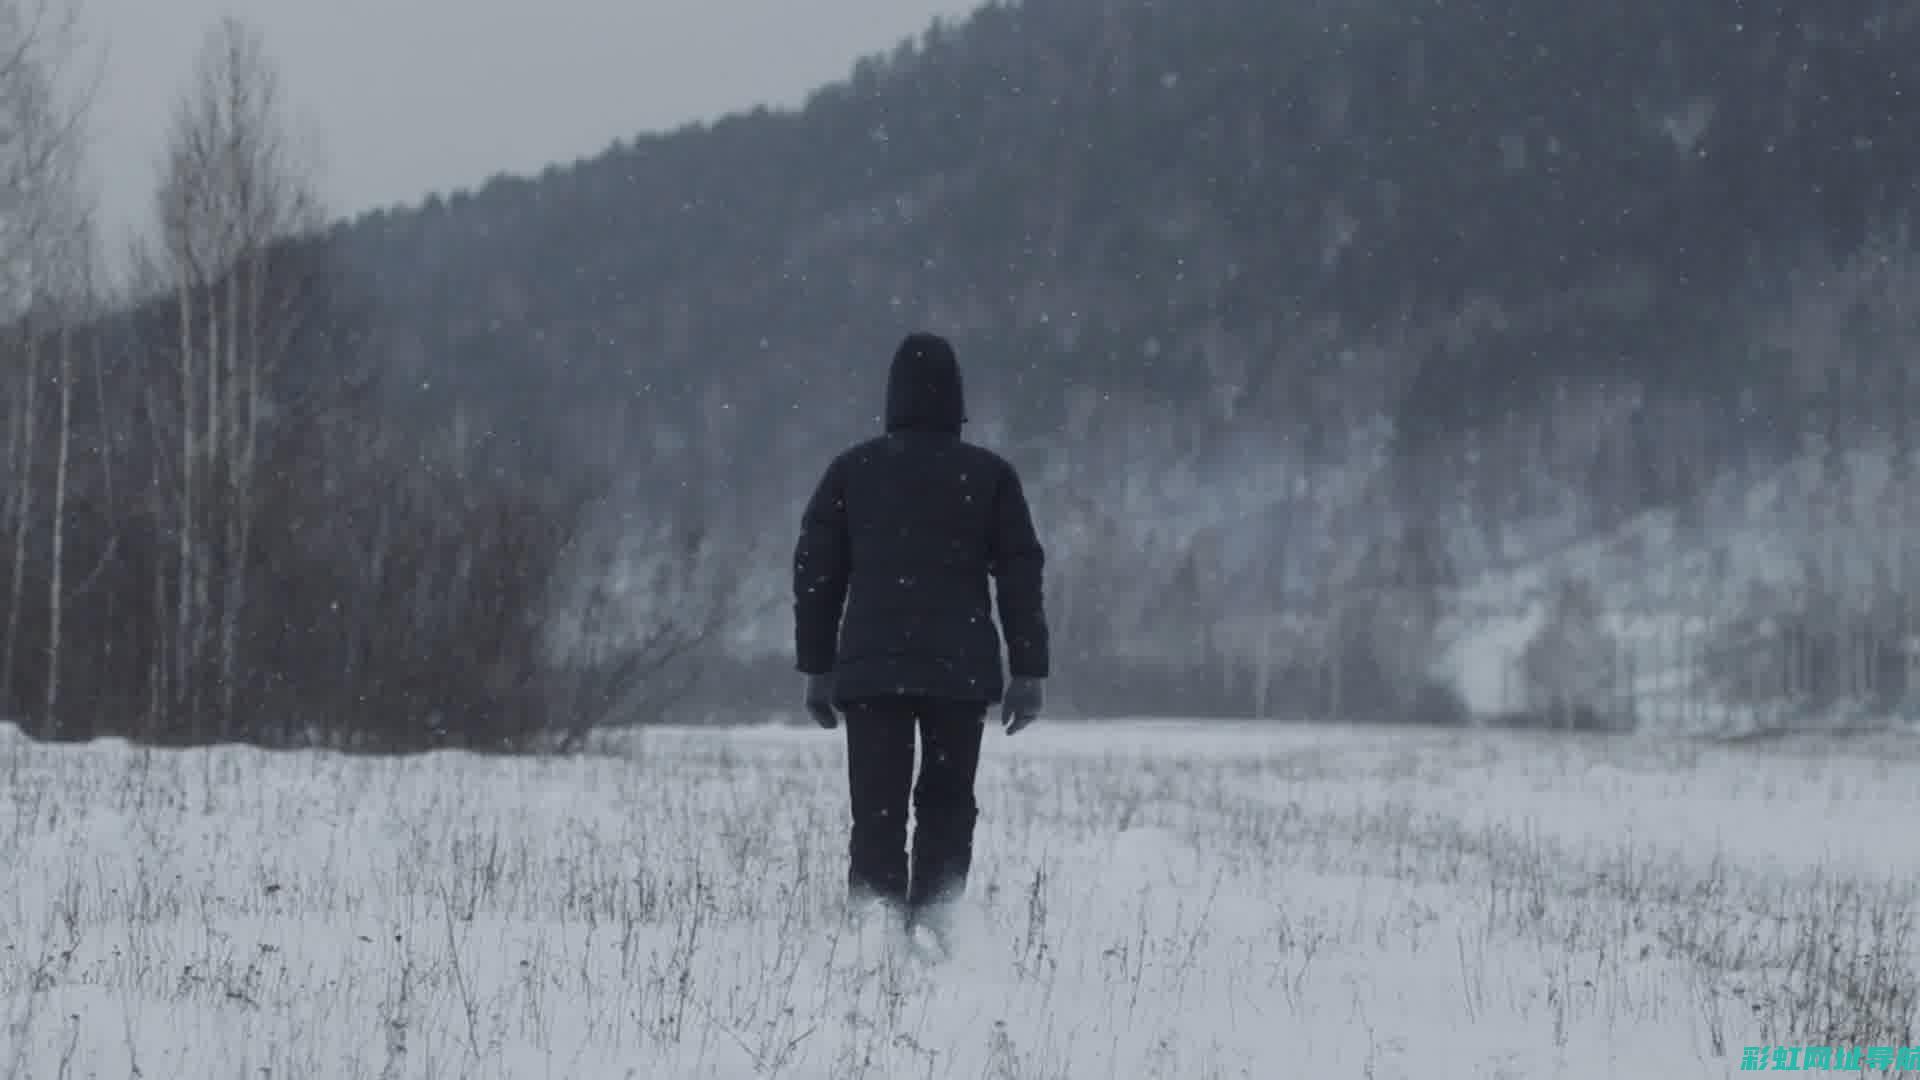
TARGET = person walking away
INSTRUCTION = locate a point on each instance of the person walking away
(893, 627)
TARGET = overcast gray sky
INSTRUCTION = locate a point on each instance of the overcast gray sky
(411, 96)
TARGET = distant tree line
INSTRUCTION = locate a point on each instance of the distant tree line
(1517, 258)
(213, 529)
(1314, 321)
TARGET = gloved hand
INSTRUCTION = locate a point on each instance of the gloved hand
(1021, 704)
(820, 701)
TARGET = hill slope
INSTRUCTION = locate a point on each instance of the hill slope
(1168, 196)
(1374, 249)
(1300, 320)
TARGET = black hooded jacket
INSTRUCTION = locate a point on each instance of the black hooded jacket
(898, 543)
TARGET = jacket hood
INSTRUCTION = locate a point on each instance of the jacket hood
(924, 390)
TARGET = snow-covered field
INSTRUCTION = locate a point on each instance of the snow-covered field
(1149, 901)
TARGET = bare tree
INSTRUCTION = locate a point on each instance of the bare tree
(78, 298)
(633, 611)
(231, 192)
(653, 568)
(43, 223)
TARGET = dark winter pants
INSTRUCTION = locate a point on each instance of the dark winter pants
(880, 775)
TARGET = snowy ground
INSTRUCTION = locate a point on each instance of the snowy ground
(1151, 902)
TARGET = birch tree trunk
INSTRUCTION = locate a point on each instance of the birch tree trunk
(229, 195)
(57, 555)
(22, 482)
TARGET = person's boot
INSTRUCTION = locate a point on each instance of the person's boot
(942, 858)
(875, 928)
(930, 929)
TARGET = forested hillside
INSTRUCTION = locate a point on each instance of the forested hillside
(1307, 320)
(1160, 197)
